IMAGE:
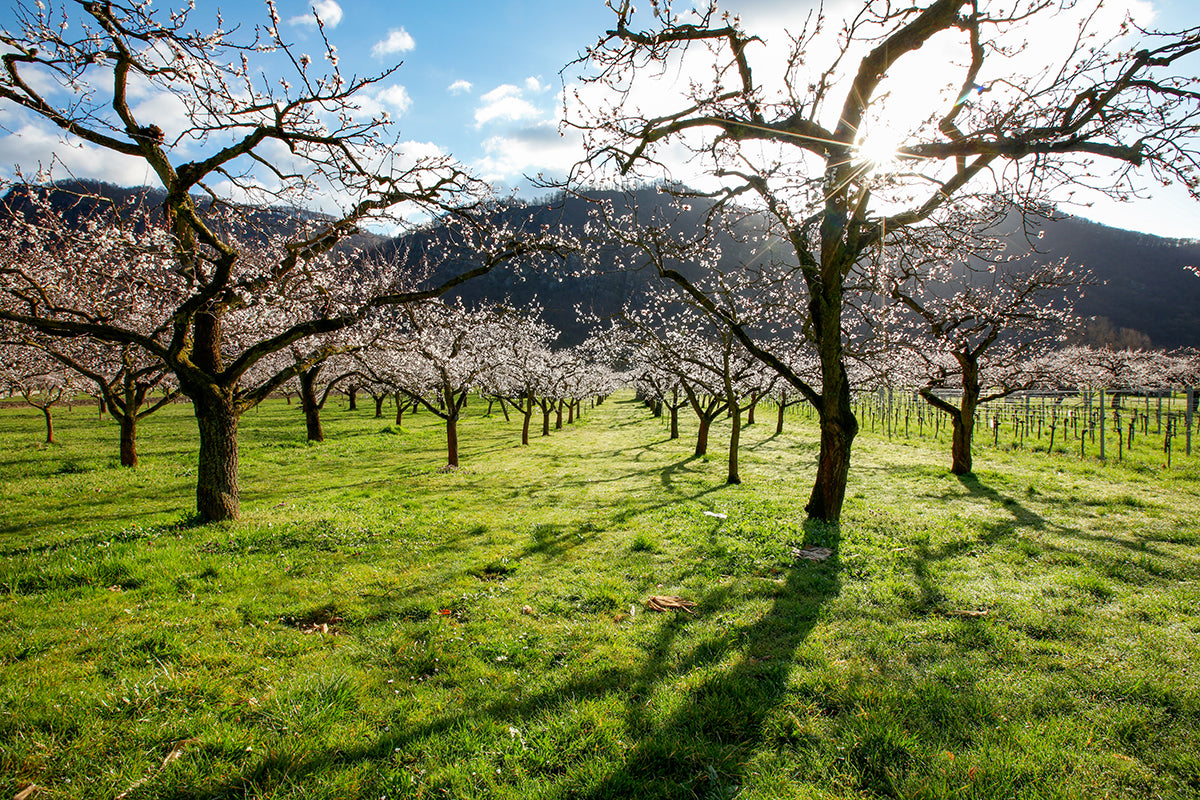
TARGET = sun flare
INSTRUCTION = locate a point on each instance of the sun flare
(877, 151)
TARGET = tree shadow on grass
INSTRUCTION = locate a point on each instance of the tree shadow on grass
(555, 541)
(1024, 518)
(720, 692)
(669, 474)
(703, 748)
(1029, 535)
(1021, 515)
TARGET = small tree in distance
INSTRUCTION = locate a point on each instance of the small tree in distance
(38, 378)
(975, 316)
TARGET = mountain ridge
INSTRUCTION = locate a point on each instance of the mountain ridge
(1145, 292)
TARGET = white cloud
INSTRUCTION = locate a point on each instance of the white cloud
(32, 148)
(398, 41)
(536, 148)
(395, 97)
(328, 10)
(392, 100)
(459, 87)
(505, 103)
(535, 85)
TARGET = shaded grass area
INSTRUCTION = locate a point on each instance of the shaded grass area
(376, 627)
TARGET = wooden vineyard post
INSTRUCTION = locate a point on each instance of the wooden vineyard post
(889, 412)
(1028, 418)
(1087, 409)
(1191, 404)
(1167, 442)
(1101, 424)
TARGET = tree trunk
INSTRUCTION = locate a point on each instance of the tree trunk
(452, 440)
(702, 436)
(353, 392)
(960, 443)
(308, 401)
(379, 406)
(735, 436)
(964, 420)
(49, 425)
(750, 413)
(674, 422)
(129, 456)
(558, 414)
(546, 420)
(399, 410)
(527, 411)
(838, 429)
(833, 467)
(838, 424)
(779, 417)
(217, 496)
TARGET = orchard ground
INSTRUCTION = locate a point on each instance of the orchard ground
(376, 627)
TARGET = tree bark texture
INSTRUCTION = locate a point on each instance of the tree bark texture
(838, 423)
(527, 412)
(312, 408)
(702, 436)
(129, 456)
(960, 445)
(452, 440)
(217, 496)
(964, 420)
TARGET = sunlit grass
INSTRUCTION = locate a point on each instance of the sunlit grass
(377, 627)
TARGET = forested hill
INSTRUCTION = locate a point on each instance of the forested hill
(1145, 287)
(564, 294)
(1145, 296)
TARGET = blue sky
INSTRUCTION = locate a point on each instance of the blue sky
(480, 80)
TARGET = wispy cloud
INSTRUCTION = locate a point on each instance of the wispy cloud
(398, 41)
(505, 103)
(387, 102)
(328, 10)
(535, 85)
(459, 87)
(539, 147)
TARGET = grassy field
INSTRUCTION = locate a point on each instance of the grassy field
(376, 627)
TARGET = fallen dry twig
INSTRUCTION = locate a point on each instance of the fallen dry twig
(666, 602)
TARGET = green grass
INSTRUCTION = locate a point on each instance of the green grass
(376, 627)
